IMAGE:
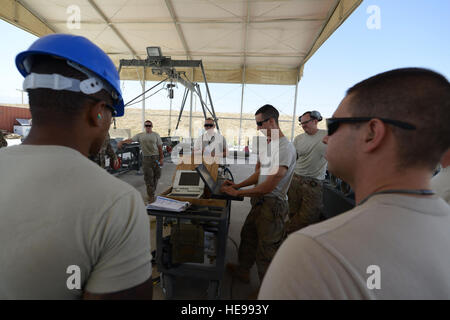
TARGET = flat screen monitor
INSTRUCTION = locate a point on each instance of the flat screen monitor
(189, 179)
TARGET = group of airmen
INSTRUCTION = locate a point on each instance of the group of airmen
(61, 213)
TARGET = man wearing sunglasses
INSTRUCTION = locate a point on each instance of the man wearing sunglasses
(305, 192)
(385, 139)
(153, 157)
(211, 143)
(263, 230)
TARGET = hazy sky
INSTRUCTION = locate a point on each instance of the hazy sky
(412, 33)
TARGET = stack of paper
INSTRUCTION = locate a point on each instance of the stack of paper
(168, 204)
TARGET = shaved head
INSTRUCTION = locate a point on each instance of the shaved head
(420, 97)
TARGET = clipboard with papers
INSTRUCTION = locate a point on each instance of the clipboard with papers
(167, 204)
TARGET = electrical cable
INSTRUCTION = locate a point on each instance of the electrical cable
(146, 97)
(146, 91)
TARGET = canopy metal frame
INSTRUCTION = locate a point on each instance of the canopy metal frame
(167, 67)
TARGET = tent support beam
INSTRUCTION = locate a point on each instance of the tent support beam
(244, 69)
(190, 113)
(295, 107)
(113, 28)
(170, 116)
(178, 28)
(143, 102)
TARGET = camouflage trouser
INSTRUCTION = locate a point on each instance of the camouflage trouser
(105, 150)
(262, 233)
(152, 173)
(305, 202)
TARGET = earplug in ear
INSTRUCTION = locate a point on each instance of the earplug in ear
(99, 116)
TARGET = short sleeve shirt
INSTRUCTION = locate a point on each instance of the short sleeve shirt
(149, 143)
(277, 155)
(390, 247)
(64, 218)
(311, 150)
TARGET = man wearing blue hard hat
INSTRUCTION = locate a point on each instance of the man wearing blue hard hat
(69, 229)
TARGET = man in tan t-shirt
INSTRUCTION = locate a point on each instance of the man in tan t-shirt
(153, 157)
(385, 139)
(305, 192)
(71, 231)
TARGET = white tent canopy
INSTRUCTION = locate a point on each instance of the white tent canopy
(239, 41)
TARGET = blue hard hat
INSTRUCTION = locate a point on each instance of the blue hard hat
(79, 50)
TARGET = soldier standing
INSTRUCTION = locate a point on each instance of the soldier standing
(71, 231)
(385, 139)
(153, 158)
(264, 230)
(305, 192)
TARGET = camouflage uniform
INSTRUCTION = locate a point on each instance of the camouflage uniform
(262, 233)
(150, 143)
(105, 150)
(152, 173)
(3, 142)
(305, 202)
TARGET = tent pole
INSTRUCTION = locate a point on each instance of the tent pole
(190, 112)
(143, 101)
(170, 115)
(295, 107)
(242, 106)
(247, 4)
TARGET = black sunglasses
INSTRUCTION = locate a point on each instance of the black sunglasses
(111, 108)
(260, 123)
(333, 123)
(208, 125)
(306, 122)
(149, 125)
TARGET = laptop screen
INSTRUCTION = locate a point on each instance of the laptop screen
(189, 179)
(206, 177)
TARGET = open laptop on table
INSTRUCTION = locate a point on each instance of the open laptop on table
(214, 186)
(187, 184)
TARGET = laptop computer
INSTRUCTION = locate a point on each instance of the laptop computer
(214, 186)
(187, 183)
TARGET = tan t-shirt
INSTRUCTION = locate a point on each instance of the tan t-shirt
(149, 143)
(406, 237)
(281, 154)
(59, 209)
(311, 150)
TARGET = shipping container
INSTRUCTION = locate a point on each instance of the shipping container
(9, 114)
